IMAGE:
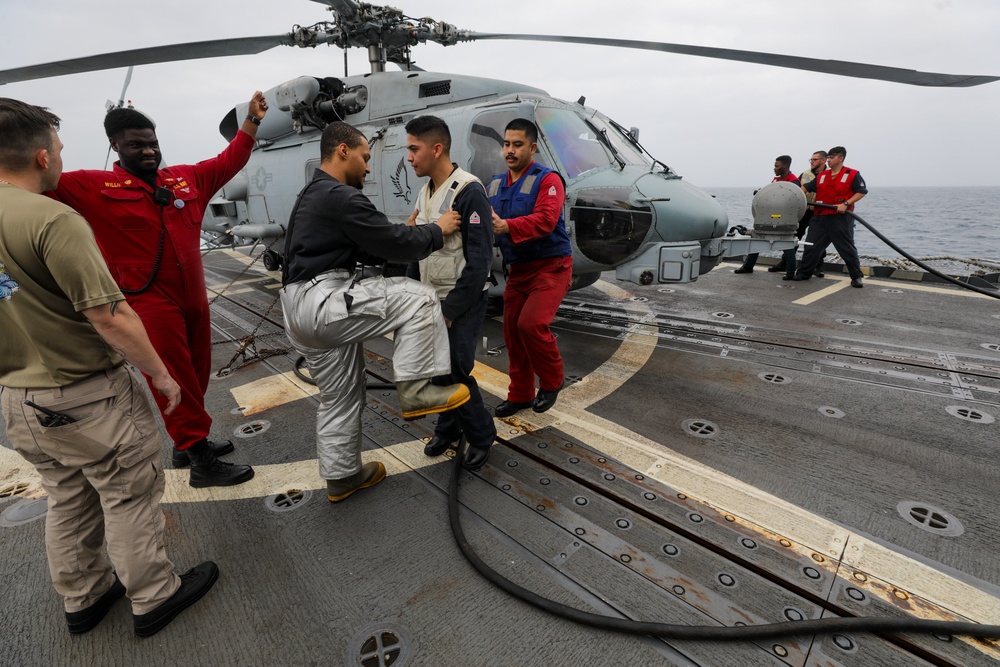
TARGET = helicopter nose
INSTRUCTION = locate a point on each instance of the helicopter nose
(681, 211)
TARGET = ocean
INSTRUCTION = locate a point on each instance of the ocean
(959, 222)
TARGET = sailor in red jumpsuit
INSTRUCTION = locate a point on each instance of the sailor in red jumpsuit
(148, 225)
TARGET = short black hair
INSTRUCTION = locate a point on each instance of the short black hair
(120, 119)
(523, 125)
(431, 128)
(24, 130)
(338, 133)
(784, 159)
(837, 150)
(822, 154)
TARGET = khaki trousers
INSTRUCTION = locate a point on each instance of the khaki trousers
(104, 477)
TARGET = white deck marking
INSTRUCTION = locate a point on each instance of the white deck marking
(838, 284)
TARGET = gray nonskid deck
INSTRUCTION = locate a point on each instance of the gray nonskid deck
(311, 584)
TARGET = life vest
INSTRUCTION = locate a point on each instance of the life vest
(790, 177)
(830, 190)
(517, 200)
(442, 268)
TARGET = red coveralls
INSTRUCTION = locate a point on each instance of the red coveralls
(126, 221)
(531, 298)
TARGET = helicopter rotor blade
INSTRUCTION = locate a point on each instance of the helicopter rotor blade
(345, 8)
(238, 46)
(838, 67)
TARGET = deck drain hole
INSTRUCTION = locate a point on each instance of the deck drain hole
(679, 590)
(893, 291)
(380, 645)
(639, 298)
(748, 543)
(696, 518)
(240, 410)
(13, 489)
(991, 346)
(667, 290)
(827, 411)
(252, 429)
(969, 414)
(649, 496)
(24, 511)
(780, 650)
(811, 572)
(722, 315)
(624, 524)
(727, 580)
(700, 428)
(609, 477)
(774, 377)
(581, 501)
(930, 518)
(853, 323)
(670, 550)
(287, 501)
(574, 379)
(545, 481)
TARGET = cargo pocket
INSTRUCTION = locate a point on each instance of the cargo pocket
(104, 423)
(367, 297)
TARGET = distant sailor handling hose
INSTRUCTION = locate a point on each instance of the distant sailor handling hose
(842, 187)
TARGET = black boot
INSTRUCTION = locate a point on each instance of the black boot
(180, 457)
(207, 470)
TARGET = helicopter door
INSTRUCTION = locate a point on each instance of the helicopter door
(400, 185)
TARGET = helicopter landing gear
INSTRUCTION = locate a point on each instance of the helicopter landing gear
(272, 260)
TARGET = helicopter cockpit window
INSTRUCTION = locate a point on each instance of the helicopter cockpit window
(574, 141)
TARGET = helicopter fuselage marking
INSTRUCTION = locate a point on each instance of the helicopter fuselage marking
(261, 178)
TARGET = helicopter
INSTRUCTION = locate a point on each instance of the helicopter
(626, 210)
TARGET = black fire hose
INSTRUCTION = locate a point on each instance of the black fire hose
(995, 294)
(670, 631)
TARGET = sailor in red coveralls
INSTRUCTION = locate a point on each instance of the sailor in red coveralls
(528, 220)
(148, 225)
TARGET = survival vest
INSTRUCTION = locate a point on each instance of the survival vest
(442, 268)
(518, 199)
(830, 190)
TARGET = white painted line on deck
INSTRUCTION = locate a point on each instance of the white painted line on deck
(839, 284)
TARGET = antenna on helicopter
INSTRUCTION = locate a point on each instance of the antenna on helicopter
(109, 105)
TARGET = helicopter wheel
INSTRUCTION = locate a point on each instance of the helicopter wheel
(272, 260)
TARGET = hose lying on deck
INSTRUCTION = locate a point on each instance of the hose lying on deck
(669, 631)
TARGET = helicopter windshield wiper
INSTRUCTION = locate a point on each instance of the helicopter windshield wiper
(603, 134)
(635, 142)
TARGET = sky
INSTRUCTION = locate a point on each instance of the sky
(717, 123)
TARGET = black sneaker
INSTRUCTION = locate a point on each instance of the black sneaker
(194, 584)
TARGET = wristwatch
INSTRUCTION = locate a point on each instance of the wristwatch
(253, 119)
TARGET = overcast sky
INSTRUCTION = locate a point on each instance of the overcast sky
(717, 123)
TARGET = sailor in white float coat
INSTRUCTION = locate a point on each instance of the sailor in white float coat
(459, 272)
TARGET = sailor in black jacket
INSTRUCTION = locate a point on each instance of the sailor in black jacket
(328, 314)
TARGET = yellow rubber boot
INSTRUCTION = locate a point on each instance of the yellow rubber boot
(419, 397)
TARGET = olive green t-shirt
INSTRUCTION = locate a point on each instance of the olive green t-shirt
(50, 269)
